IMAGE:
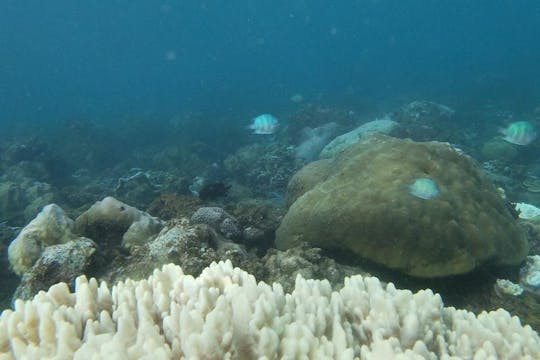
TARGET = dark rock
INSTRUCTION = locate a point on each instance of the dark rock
(213, 191)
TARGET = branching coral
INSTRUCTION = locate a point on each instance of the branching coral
(225, 314)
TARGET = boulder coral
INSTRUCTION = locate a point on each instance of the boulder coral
(107, 222)
(50, 227)
(110, 221)
(361, 201)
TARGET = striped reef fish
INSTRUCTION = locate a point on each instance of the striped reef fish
(264, 124)
(519, 133)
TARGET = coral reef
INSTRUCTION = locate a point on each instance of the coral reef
(507, 287)
(108, 223)
(219, 220)
(527, 211)
(424, 120)
(214, 190)
(384, 126)
(498, 149)
(193, 247)
(51, 226)
(225, 313)
(359, 202)
(531, 184)
(154, 168)
(169, 206)
(262, 168)
(22, 198)
(138, 188)
(96, 146)
(313, 140)
(9, 279)
(58, 263)
(35, 158)
(530, 275)
(13, 201)
(260, 218)
(284, 266)
(313, 116)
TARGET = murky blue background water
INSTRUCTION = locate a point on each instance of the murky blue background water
(109, 59)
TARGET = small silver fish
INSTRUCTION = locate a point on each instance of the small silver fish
(264, 124)
(519, 133)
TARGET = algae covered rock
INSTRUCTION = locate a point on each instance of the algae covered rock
(110, 222)
(423, 120)
(363, 201)
(58, 263)
(219, 220)
(50, 227)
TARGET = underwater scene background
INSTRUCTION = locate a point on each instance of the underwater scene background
(391, 138)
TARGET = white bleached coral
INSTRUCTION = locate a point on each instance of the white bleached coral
(527, 211)
(225, 314)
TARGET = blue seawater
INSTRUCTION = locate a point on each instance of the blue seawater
(104, 60)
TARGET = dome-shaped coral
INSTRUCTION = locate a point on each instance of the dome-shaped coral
(361, 201)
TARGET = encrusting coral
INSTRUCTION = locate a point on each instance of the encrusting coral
(225, 314)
